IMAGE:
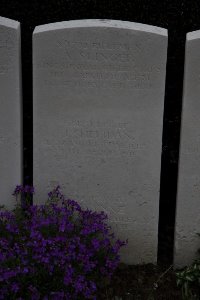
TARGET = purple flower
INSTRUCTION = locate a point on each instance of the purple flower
(68, 277)
(79, 283)
(95, 243)
(20, 189)
(63, 250)
(15, 287)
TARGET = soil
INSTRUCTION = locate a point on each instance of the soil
(142, 282)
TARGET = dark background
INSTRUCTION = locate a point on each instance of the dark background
(179, 17)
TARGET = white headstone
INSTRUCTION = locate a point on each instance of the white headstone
(98, 114)
(10, 112)
(187, 242)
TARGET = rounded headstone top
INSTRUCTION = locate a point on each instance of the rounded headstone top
(101, 23)
(9, 23)
(193, 35)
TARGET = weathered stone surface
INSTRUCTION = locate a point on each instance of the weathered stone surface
(187, 241)
(98, 114)
(10, 113)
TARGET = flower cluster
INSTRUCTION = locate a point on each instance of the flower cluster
(27, 189)
(24, 195)
(55, 251)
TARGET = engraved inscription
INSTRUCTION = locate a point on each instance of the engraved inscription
(116, 209)
(98, 139)
(98, 64)
(101, 45)
(99, 85)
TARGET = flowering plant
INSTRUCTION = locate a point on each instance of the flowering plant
(54, 251)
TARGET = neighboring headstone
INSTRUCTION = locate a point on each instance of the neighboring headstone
(187, 242)
(10, 113)
(98, 113)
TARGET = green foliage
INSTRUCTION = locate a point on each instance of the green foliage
(188, 280)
